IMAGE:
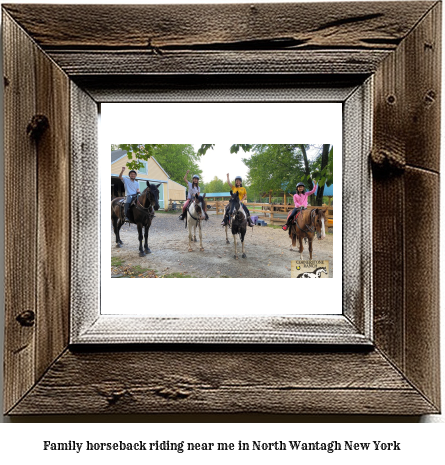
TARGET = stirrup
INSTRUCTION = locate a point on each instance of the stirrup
(284, 227)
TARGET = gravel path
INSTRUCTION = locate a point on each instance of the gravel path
(267, 250)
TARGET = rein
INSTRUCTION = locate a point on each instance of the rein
(145, 209)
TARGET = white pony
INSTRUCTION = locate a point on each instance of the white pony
(195, 214)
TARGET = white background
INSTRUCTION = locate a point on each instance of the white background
(221, 124)
(22, 442)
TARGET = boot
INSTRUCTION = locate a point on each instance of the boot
(250, 222)
(206, 216)
(126, 207)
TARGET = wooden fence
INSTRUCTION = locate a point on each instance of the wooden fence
(271, 213)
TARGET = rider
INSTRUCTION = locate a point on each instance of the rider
(300, 201)
(131, 188)
(242, 194)
(193, 188)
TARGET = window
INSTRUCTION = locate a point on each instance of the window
(143, 170)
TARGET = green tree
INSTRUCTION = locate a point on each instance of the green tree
(233, 149)
(137, 152)
(175, 159)
(323, 170)
(275, 167)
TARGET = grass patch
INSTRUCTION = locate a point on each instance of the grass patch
(177, 275)
(130, 271)
(115, 261)
(274, 226)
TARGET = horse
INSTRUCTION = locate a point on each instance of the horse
(141, 213)
(195, 213)
(305, 225)
(313, 274)
(238, 221)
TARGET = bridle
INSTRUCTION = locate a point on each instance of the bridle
(149, 210)
(196, 219)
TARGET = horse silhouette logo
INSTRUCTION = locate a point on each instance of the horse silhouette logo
(313, 274)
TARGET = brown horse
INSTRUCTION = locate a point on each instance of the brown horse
(140, 214)
(307, 223)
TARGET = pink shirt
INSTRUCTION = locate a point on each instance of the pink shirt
(300, 200)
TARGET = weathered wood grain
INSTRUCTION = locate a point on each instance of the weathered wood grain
(153, 27)
(423, 48)
(112, 329)
(388, 272)
(399, 377)
(422, 364)
(223, 382)
(129, 62)
(53, 210)
(357, 209)
(407, 112)
(407, 132)
(218, 88)
(20, 186)
(84, 228)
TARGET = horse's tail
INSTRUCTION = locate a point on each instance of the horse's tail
(293, 237)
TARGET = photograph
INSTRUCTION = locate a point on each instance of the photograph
(171, 199)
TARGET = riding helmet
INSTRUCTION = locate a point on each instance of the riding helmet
(196, 176)
(300, 184)
(240, 178)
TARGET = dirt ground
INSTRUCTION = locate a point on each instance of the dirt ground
(267, 249)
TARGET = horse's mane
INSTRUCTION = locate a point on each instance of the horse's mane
(320, 268)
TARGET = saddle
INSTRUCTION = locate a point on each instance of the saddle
(121, 204)
(300, 209)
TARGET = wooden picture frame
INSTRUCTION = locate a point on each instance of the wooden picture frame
(65, 64)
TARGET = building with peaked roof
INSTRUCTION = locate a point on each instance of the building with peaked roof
(152, 172)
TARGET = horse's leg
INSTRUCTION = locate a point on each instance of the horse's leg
(190, 235)
(194, 232)
(227, 237)
(310, 248)
(200, 237)
(119, 226)
(234, 240)
(146, 248)
(141, 250)
(116, 231)
(300, 239)
(243, 233)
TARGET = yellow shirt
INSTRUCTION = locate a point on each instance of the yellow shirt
(241, 191)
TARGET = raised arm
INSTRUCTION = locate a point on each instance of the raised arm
(185, 177)
(313, 189)
(121, 173)
(228, 181)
